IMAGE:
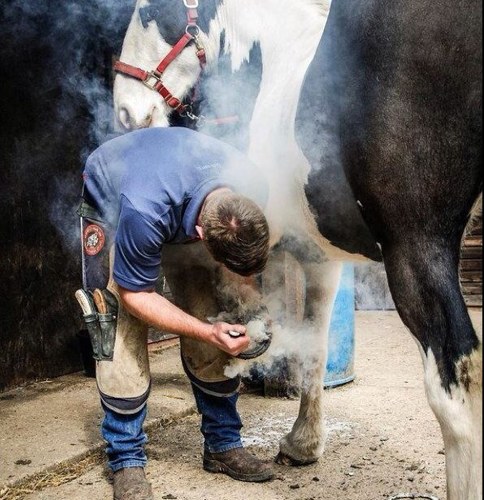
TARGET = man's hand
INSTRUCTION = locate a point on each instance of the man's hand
(231, 344)
(155, 310)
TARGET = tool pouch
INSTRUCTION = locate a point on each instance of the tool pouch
(100, 325)
(107, 323)
(94, 329)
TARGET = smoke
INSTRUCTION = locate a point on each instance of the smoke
(56, 68)
(301, 344)
(371, 288)
(228, 97)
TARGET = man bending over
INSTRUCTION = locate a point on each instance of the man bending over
(143, 192)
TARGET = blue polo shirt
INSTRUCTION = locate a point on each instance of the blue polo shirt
(150, 185)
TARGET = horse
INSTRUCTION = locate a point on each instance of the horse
(365, 118)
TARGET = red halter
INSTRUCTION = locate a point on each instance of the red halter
(152, 79)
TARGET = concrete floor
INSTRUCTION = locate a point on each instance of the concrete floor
(383, 439)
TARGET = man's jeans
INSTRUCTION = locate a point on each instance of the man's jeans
(125, 437)
(124, 434)
(221, 423)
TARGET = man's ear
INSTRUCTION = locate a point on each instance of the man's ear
(199, 230)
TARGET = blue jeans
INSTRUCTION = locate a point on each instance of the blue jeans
(125, 437)
(221, 423)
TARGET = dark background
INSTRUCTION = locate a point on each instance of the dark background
(55, 107)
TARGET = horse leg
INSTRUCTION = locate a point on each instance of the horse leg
(304, 444)
(423, 277)
(239, 296)
(191, 275)
(283, 285)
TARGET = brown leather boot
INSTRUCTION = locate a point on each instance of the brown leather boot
(238, 464)
(131, 484)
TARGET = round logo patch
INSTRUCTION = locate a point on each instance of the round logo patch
(94, 239)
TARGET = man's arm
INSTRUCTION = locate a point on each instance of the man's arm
(154, 309)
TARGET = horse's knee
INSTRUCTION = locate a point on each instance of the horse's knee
(424, 282)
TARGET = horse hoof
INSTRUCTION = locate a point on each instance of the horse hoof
(258, 349)
(283, 459)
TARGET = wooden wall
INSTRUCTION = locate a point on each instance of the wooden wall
(471, 266)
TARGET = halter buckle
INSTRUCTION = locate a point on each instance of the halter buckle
(190, 4)
(152, 79)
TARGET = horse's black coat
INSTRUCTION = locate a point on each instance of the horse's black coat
(400, 85)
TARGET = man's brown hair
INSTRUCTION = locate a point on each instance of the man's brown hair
(236, 233)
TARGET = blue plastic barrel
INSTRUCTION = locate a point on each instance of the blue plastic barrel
(341, 340)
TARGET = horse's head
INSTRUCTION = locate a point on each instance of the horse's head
(173, 31)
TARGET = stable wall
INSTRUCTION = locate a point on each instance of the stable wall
(55, 60)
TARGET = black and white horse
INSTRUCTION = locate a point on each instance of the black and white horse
(370, 137)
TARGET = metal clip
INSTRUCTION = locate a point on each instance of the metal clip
(235, 335)
(192, 117)
(198, 44)
(152, 75)
(187, 112)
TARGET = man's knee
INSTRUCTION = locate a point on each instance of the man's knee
(120, 348)
(205, 365)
